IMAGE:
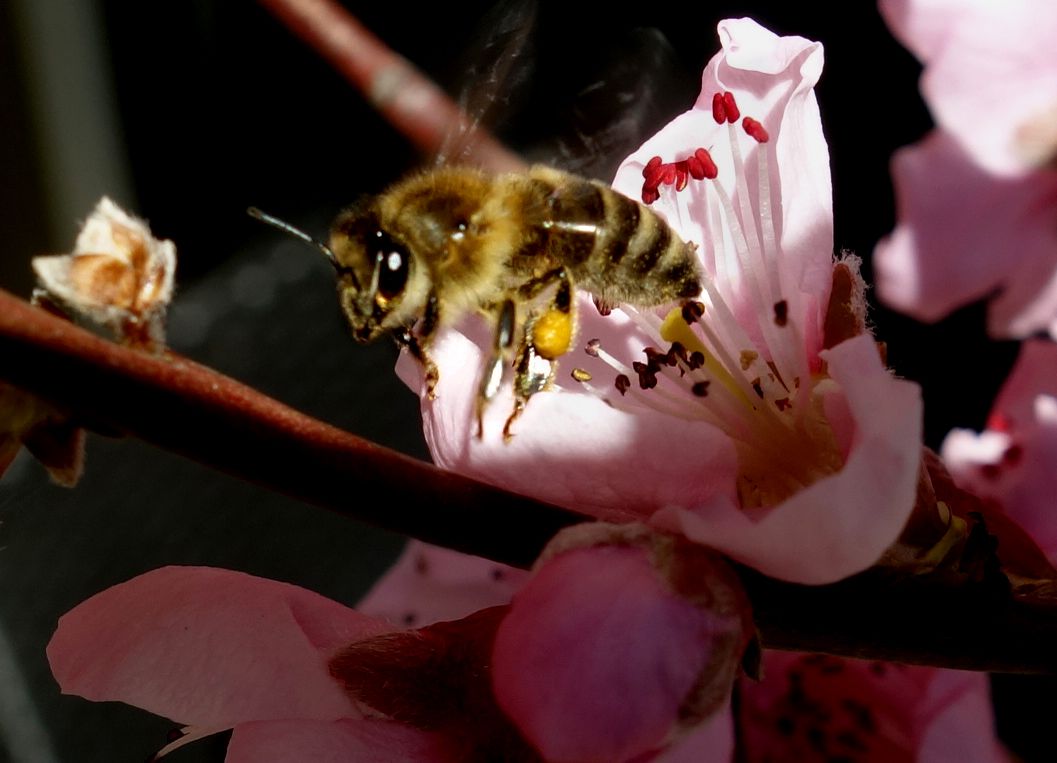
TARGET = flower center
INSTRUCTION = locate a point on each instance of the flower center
(738, 358)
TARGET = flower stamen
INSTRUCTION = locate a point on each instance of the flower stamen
(737, 354)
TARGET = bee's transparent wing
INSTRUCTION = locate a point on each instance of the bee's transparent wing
(636, 87)
(494, 75)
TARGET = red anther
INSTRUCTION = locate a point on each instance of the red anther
(681, 176)
(655, 176)
(719, 112)
(695, 168)
(730, 106)
(651, 166)
(668, 175)
(755, 130)
(710, 168)
(650, 194)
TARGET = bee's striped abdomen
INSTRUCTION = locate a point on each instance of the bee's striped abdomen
(614, 247)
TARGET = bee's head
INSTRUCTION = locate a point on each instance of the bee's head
(376, 273)
(375, 270)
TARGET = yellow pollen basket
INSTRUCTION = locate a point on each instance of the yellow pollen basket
(675, 329)
(552, 334)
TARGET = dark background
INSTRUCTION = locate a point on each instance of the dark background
(189, 111)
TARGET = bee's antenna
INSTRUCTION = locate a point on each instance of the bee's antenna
(286, 227)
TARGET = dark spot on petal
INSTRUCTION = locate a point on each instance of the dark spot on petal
(786, 725)
(831, 667)
(1013, 455)
(852, 740)
(757, 387)
(421, 564)
(700, 389)
(781, 313)
(816, 737)
(410, 618)
(861, 714)
(990, 471)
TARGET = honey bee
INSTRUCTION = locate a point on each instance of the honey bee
(514, 247)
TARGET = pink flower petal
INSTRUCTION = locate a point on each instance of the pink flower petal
(429, 583)
(712, 740)
(208, 647)
(923, 26)
(569, 448)
(1014, 461)
(343, 741)
(959, 720)
(597, 655)
(963, 234)
(1034, 374)
(773, 78)
(763, 226)
(990, 77)
(841, 524)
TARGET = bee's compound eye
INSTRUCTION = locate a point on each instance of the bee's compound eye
(393, 264)
(392, 273)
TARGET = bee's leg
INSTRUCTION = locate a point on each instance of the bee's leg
(492, 377)
(418, 344)
(533, 373)
(548, 335)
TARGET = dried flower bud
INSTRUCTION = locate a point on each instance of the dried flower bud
(118, 278)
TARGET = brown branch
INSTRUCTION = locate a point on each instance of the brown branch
(943, 619)
(176, 404)
(940, 619)
(414, 105)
